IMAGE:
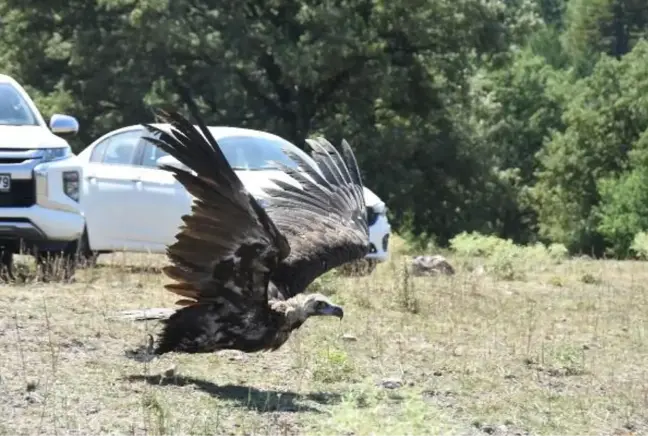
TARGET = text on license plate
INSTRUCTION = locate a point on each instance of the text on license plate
(5, 182)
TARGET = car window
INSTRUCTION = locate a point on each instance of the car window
(151, 154)
(14, 110)
(121, 148)
(242, 152)
(254, 153)
(99, 150)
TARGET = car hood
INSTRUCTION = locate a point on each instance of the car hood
(26, 137)
(256, 181)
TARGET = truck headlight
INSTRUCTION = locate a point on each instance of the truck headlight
(71, 184)
(50, 154)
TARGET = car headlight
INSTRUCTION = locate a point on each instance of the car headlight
(379, 208)
(50, 154)
(374, 211)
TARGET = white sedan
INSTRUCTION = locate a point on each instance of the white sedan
(130, 204)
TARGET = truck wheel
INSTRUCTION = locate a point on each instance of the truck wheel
(61, 265)
(6, 264)
(56, 266)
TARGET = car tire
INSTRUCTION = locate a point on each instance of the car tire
(358, 268)
(86, 257)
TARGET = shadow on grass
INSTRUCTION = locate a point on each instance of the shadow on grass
(259, 400)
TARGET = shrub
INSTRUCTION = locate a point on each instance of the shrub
(507, 260)
(640, 245)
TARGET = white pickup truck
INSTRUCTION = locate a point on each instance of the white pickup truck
(39, 182)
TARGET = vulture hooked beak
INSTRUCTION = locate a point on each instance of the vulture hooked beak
(332, 310)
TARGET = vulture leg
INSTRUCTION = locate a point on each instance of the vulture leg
(143, 353)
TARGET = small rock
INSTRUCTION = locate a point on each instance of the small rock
(431, 265)
(488, 429)
(502, 429)
(33, 398)
(391, 383)
(479, 271)
(31, 386)
(232, 355)
(437, 373)
(348, 337)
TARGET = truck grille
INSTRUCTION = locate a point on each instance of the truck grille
(23, 194)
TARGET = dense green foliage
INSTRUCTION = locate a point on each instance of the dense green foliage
(525, 119)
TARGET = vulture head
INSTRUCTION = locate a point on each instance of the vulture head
(319, 305)
(302, 306)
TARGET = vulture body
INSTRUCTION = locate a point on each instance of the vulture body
(242, 269)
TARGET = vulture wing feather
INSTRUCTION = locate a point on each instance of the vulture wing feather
(228, 246)
(324, 219)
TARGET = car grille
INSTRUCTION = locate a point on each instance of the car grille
(23, 194)
(372, 216)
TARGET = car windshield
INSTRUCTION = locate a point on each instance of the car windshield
(255, 153)
(14, 110)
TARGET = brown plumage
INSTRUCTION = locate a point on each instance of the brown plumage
(240, 269)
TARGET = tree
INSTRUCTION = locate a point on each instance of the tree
(604, 119)
(517, 109)
(596, 27)
(391, 77)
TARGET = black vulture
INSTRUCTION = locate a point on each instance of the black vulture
(242, 268)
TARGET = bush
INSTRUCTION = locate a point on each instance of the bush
(623, 211)
(640, 245)
(505, 259)
(476, 244)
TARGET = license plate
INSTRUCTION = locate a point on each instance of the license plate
(5, 182)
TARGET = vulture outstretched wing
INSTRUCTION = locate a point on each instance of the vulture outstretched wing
(228, 246)
(325, 222)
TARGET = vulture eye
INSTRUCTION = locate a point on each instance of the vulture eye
(320, 305)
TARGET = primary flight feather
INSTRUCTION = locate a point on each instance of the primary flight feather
(241, 269)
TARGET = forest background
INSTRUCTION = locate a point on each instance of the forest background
(523, 119)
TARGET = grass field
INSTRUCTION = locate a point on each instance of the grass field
(561, 348)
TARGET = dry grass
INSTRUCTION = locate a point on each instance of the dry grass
(561, 351)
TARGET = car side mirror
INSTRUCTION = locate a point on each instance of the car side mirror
(172, 162)
(64, 125)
